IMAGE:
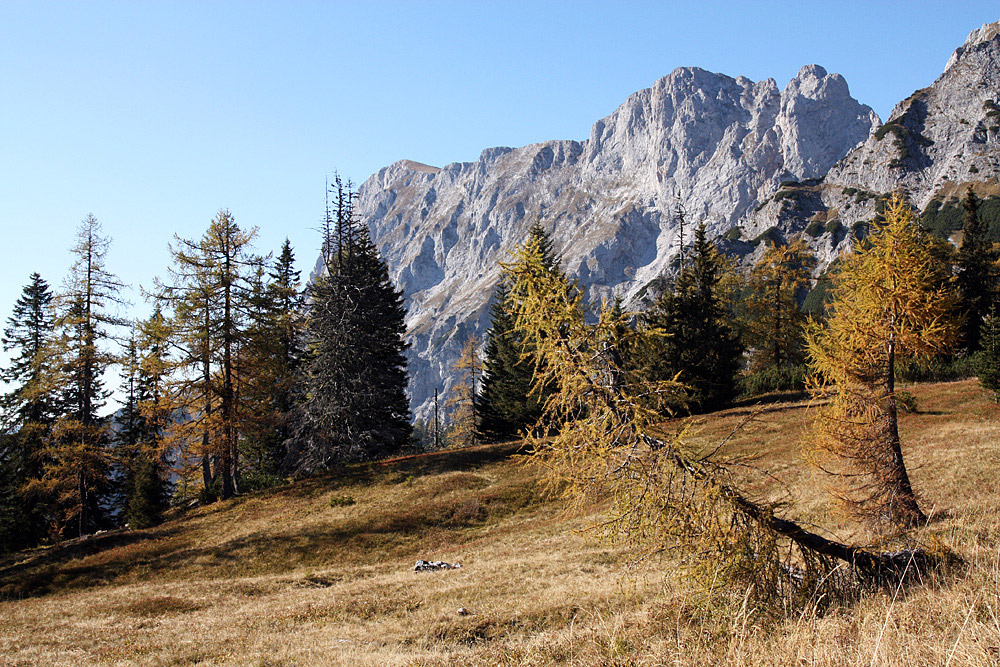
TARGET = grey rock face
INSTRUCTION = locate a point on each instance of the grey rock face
(935, 142)
(718, 144)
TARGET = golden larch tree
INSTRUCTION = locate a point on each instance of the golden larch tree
(462, 403)
(774, 324)
(599, 438)
(891, 300)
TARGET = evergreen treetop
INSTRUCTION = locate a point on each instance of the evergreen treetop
(696, 346)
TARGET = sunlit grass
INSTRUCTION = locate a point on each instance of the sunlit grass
(298, 576)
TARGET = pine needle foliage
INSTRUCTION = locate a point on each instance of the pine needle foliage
(600, 443)
(891, 301)
(352, 381)
(989, 358)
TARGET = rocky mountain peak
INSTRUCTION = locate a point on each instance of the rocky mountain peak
(978, 37)
(936, 141)
(720, 144)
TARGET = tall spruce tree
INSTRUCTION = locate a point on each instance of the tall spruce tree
(977, 273)
(29, 410)
(353, 379)
(697, 346)
(509, 401)
(269, 361)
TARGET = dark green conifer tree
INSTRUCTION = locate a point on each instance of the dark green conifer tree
(977, 274)
(989, 361)
(698, 343)
(269, 360)
(353, 379)
(142, 421)
(508, 401)
(29, 410)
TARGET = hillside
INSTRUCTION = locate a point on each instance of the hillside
(320, 573)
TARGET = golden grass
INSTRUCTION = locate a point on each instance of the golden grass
(298, 576)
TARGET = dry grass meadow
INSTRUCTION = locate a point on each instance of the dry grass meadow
(320, 573)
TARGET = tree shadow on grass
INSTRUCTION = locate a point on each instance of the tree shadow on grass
(362, 539)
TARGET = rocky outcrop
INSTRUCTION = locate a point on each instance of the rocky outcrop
(935, 142)
(715, 144)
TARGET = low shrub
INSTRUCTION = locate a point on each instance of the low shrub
(772, 379)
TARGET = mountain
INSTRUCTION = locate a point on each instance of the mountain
(716, 144)
(935, 143)
(750, 160)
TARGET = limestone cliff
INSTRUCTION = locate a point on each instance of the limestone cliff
(718, 144)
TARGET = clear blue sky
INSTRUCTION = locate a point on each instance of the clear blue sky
(153, 115)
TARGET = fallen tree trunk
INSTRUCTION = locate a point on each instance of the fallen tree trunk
(880, 567)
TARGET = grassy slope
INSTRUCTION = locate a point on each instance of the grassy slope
(289, 578)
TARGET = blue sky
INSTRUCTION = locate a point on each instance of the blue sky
(153, 115)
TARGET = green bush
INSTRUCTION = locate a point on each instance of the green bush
(938, 369)
(772, 379)
(734, 234)
(341, 501)
(770, 235)
(815, 229)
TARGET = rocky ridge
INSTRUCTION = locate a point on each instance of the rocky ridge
(747, 158)
(935, 143)
(717, 143)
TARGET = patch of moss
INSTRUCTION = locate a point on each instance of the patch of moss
(734, 234)
(814, 229)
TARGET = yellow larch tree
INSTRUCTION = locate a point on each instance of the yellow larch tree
(462, 403)
(774, 323)
(891, 300)
(600, 439)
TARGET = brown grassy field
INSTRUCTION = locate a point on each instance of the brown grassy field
(320, 573)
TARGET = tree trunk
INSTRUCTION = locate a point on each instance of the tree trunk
(903, 507)
(84, 500)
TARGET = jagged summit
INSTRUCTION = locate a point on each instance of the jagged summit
(722, 143)
(936, 141)
(988, 32)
